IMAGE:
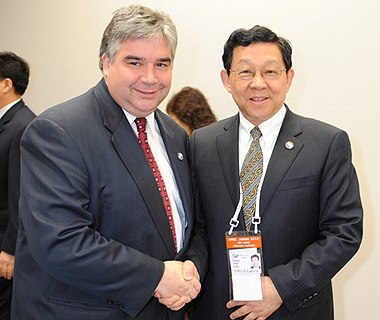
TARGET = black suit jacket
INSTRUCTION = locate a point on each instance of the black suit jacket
(93, 229)
(311, 214)
(12, 126)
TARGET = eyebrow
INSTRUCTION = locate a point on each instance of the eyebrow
(250, 61)
(132, 57)
(165, 59)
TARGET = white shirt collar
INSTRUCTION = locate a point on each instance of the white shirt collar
(269, 128)
(4, 110)
(151, 127)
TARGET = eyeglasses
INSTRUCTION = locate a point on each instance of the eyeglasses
(268, 73)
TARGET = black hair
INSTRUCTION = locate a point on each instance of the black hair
(244, 37)
(16, 69)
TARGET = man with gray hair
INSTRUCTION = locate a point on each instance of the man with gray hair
(105, 208)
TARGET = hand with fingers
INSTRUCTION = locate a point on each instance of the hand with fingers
(7, 262)
(179, 284)
(259, 310)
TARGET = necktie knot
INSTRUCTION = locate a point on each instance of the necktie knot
(256, 133)
(141, 124)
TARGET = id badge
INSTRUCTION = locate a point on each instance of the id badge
(245, 261)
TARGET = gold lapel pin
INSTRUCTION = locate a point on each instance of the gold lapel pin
(180, 156)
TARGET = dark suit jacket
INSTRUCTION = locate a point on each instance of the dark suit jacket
(311, 214)
(12, 126)
(93, 229)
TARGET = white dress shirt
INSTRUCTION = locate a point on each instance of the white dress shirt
(160, 155)
(270, 130)
(7, 107)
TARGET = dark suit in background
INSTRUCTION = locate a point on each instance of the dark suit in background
(12, 126)
(14, 117)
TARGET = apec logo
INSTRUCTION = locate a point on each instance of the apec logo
(235, 258)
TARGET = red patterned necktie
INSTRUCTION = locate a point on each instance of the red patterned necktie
(143, 140)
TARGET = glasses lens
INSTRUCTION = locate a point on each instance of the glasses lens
(245, 74)
(271, 72)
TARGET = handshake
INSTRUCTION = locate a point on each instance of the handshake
(179, 284)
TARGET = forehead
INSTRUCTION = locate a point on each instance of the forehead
(143, 47)
(257, 53)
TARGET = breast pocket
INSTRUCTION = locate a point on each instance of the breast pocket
(296, 183)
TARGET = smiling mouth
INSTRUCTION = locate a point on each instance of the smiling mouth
(147, 93)
(258, 99)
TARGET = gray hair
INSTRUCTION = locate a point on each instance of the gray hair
(136, 22)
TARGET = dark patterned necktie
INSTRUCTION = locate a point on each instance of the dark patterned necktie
(250, 176)
(143, 140)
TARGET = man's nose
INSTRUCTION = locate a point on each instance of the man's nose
(258, 80)
(149, 74)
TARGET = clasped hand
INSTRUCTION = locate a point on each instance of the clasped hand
(7, 262)
(179, 284)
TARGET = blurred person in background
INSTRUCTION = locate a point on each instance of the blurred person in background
(14, 117)
(190, 109)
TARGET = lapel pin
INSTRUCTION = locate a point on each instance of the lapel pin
(180, 156)
(289, 145)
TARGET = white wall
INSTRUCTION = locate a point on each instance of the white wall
(336, 59)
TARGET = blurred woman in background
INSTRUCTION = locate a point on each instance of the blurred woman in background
(190, 109)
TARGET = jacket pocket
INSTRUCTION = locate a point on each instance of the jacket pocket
(296, 183)
(81, 304)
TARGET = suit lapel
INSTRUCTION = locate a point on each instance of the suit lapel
(228, 145)
(133, 157)
(9, 114)
(281, 159)
(180, 169)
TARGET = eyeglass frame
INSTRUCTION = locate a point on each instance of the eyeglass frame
(261, 72)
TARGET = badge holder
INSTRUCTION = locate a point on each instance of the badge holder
(245, 261)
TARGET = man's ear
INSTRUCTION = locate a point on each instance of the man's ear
(106, 65)
(7, 85)
(289, 79)
(225, 80)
